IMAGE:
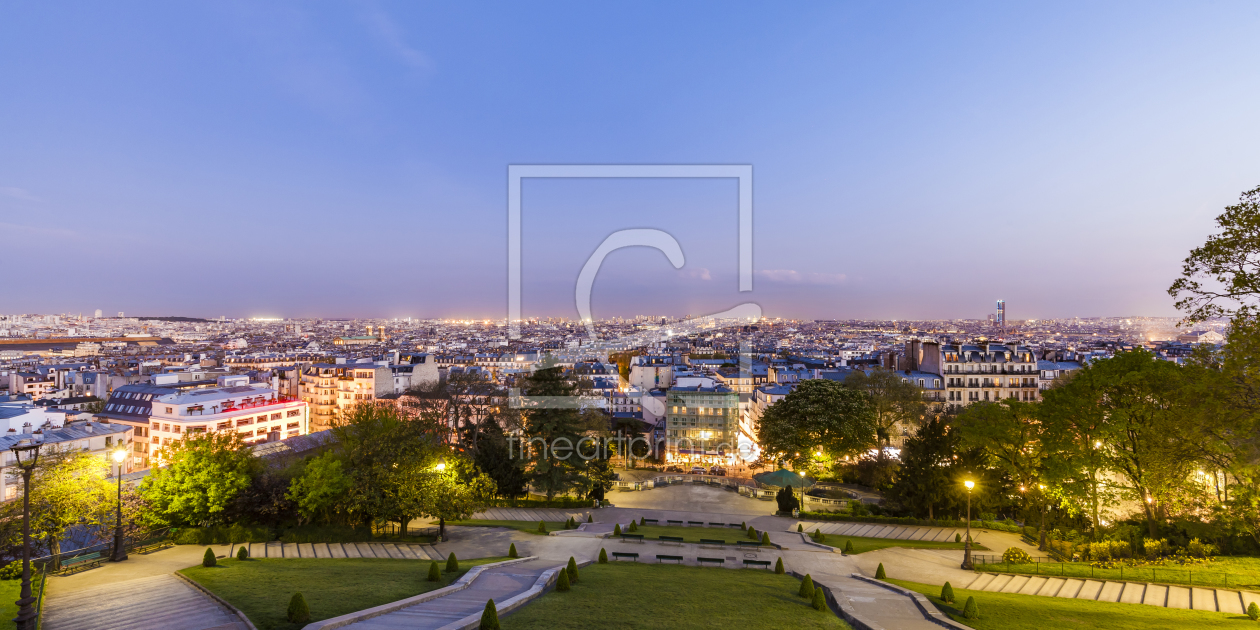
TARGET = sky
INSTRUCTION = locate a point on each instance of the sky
(350, 159)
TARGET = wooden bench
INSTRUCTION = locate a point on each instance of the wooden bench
(634, 537)
(701, 561)
(712, 541)
(763, 564)
(617, 555)
(677, 540)
(739, 525)
(695, 523)
(717, 524)
(679, 523)
(651, 521)
(82, 563)
(748, 543)
(660, 558)
(152, 544)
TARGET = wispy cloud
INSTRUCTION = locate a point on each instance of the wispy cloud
(791, 276)
(391, 36)
(698, 273)
(19, 193)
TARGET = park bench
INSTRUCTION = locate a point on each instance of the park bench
(678, 523)
(152, 544)
(634, 537)
(82, 563)
(739, 525)
(677, 540)
(761, 564)
(695, 523)
(618, 555)
(660, 558)
(712, 541)
(766, 497)
(701, 561)
(717, 524)
(748, 543)
(651, 521)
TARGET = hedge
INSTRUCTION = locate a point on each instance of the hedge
(558, 502)
(906, 520)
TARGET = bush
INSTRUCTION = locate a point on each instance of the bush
(299, 612)
(542, 527)
(957, 538)
(970, 609)
(634, 527)
(325, 533)
(765, 538)
(222, 535)
(562, 583)
(1253, 611)
(435, 574)
(643, 520)
(1015, 555)
(778, 567)
(571, 569)
(603, 556)
(820, 599)
(947, 593)
(590, 518)
(489, 617)
(800, 527)
(11, 571)
(617, 529)
(512, 551)
(807, 587)
(1200, 549)
(452, 563)
(752, 533)
(848, 547)
(1154, 548)
(879, 573)
(242, 553)
(859, 516)
(208, 559)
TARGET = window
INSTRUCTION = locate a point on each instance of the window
(175, 428)
(157, 426)
(292, 425)
(166, 426)
(294, 413)
(224, 425)
(170, 410)
(240, 422)
(275, 416)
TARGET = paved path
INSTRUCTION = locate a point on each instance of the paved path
(277, 549)
(888, 608)
(160, 601)
(1168, 596)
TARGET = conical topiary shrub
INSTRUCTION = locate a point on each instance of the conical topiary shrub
(752, 533)
(452, 563)
(590, 518)
(571, 569)
(603, 556)
(562, 583)
(879, 573)
(818, 535)
(634, 527)
(957, 538)
(489, 617)
(435, 574)
(242, 553)
(970, 609)
(512, 551)
(1253, 611)
(807, 587)
(778, 567)
(744, 525)
(947, 593)
(298, 612)
(765, 538)
(542, 527)
(208, 559)
(800, 527)
(643, 520)
(848, 546)
(820, 599)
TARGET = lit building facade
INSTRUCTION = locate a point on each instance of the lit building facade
(990, 373)
(701, 422)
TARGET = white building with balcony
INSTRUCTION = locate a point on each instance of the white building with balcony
(252, 410)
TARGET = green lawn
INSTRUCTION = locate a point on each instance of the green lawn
(863, 545)
(1228, 572)
(1009, 611)
(630, 596)
(530, 527)
(694, 534)
(10, 591)
(261, 588)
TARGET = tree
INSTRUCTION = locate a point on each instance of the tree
(378, 445)
(453, 491)
(787, 500)
(1009, 432)
(320, 488)
(817, 415)
(926, 475)
(553, 434)
(205, 472)
(1222, 277)
(68, 489)
(495, 458)
(895, 400)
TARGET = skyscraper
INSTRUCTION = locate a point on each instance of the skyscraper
(1000, 318)
(98, 313)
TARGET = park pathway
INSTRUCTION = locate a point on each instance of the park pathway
(159, 601)
(277, 549)
(880, 605)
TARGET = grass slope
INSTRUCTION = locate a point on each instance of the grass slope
(1009, 611)
(10, 591)
(863, 545)
(629, 596)
(261, 588)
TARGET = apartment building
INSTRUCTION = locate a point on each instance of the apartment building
(97, 438)
(251, 410)
(651, 372)
(701, 422)
(331, 388)
(991, 372)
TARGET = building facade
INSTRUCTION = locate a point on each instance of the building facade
(991, 372)
(701, 422)
(251, 410)
(332, 388)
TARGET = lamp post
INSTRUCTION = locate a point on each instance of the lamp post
(966, 565)
(26, 452)
(120, 550)
(440, 468)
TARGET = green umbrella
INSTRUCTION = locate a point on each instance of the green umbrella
(783, 478)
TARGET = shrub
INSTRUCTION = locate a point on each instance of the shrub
(957, 538)
(818, 535)
(298, 612)
(765, 538)
(848, 547)
(435, 574)
(778, 567)
(512, 551)
(800, 527)
(752, 533)
(452, 563)
(642, 520)
(1153, 548)
(489, 617)
(970, 609)
(1253, 611)
(208, 559)
(744, 525)
(634, 527)
(879, 573)
(820, 599)
(807, 587)
(571, 569)
(542, 527)
(1015, 555)
(603, 556)
(562, 583)
(242, 553)
(947, 593)
(590, 518)
(1200, 549)
(617, 529)
(11, 571)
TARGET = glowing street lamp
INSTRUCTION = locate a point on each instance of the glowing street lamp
(966, 565)
(26, 454)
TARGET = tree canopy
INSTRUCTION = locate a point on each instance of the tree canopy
(818, 415)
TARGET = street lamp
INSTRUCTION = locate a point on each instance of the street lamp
(26, 452)
(120, 550)
(966, 565)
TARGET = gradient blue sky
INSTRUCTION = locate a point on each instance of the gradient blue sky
(350, 159)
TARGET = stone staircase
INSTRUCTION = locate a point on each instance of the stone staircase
(896, 532)
(1168, 596)
(533, 515)
(277, 549)
(162, 601)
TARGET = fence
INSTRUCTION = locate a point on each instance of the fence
(52, 562)
(1167, 575)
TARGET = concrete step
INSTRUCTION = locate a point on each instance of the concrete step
(162, 601)
(1169, 596)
